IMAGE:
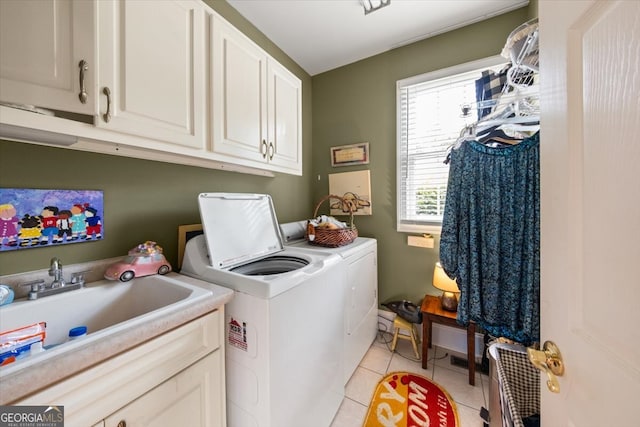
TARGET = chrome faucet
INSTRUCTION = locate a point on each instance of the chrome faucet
(39, 289)
(55, 270)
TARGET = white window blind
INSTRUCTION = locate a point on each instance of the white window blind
(430, 119)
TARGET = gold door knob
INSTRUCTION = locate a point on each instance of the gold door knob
(549, 361)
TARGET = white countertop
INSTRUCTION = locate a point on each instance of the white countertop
(27, 381)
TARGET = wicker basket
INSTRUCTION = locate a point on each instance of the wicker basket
(332, 238)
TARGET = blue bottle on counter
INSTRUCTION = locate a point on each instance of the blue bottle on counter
(77, 332)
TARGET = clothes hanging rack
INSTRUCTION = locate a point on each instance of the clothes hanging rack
(520, 95)
(490, 228)
(517, 108)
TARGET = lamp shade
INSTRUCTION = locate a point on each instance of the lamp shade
(442, 281)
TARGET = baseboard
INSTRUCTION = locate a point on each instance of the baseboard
(463, 363)
(455, 340)
(452, 339)
(385, 320)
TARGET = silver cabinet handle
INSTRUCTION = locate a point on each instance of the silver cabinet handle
(263, 149)
(107, 116)
(84, 66)
(272, 150)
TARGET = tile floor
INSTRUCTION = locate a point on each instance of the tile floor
(379, 360)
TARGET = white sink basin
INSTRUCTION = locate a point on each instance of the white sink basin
(104, 307)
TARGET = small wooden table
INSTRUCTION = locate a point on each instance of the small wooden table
(432, 312)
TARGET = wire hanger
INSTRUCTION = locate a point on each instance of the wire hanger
(516, 113)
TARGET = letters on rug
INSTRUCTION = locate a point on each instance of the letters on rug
(404, 399)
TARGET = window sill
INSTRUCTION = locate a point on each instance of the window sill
(422, 229)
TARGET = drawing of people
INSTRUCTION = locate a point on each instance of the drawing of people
(8, 225)
(78, 224)
(64, 225)
(94, 225)
(49, 219)
(30, 230)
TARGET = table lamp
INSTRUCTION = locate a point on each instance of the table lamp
(448, 286)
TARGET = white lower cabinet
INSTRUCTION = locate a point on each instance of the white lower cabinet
(191, 397)
(174, 379)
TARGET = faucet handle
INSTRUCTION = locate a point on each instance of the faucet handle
(36, 286)
(78, 277)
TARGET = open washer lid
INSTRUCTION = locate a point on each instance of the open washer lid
(239, 227)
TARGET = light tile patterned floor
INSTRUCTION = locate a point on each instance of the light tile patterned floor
(379, 360)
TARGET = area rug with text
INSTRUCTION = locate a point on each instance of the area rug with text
(404, 399)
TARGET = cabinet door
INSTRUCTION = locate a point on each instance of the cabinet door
(195, 396)
(152, 62)
(285, 118)
(41, 46)
(239, 94)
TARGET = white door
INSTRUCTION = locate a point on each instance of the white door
(41, 47)
(152, 62)
(590, 209)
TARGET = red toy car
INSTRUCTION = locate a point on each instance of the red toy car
(143, 260)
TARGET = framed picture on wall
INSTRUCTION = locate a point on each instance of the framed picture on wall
(35, 218)
(186, 232)
(355, 190)
(348, 155)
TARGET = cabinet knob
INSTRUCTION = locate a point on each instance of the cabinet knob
(107, 116)
(84, 66)
(264, 149)
(122, 423)
(272, 150)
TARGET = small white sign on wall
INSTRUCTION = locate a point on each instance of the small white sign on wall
(355, 190)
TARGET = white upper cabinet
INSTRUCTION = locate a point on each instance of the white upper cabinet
(163, 80)
(151, 70)
(284, 109)
(47, 54)
(256, 115)
(239, 94)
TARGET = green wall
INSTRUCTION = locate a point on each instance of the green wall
(146, 200)
(357, 103)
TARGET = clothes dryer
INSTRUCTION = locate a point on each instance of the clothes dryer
(360, 286)
(284, 326)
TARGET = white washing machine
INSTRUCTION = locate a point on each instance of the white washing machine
(360, 285)
(284, 325)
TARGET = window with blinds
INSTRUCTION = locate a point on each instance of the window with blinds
(433, 109)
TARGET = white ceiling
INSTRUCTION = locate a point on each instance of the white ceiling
(321, 35)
